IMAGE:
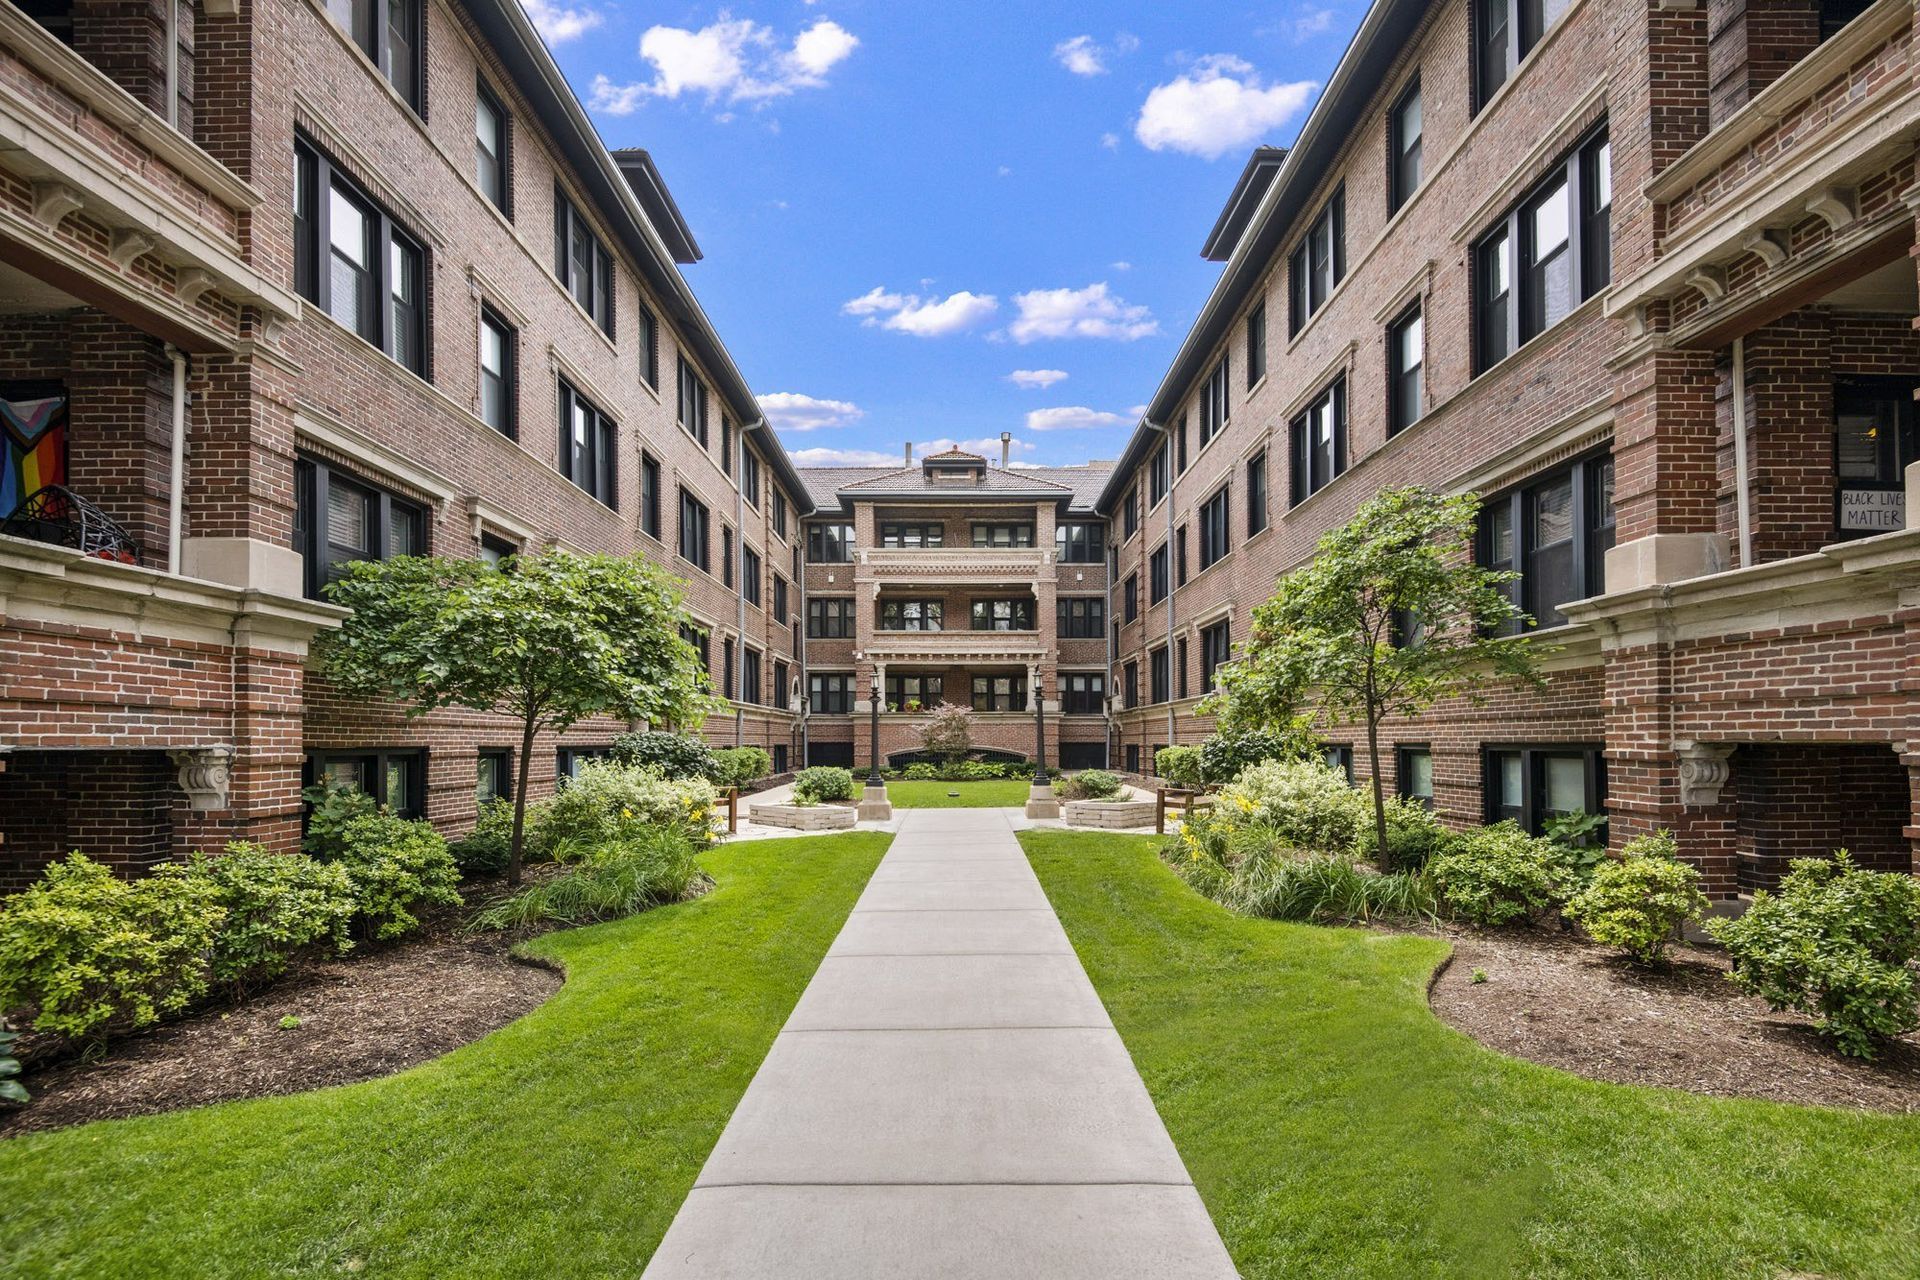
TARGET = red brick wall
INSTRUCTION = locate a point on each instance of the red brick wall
(1806, 801)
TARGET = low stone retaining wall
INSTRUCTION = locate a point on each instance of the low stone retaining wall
(1111, 815)
(810, 817)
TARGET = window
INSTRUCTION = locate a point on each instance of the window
(1213, 529)
(1874, 438)
(1157, 573)
(1160, 686)
(1082, 617)
(694, 531)
(353, 261)
(1336, 755)
(750, 574)
(490, 148)
(1180, 668)
(1077, 543)
(495, 552)
(499, 368)
(581, 263)
(1546, 256)
(1180, 445)
(1256, 493)
(589, 452)
(1002, 535)
(1318, 262)
(726, 557)
(896, 534)
(1130, 521)
(567, 760)
(1130, 683)
(1532, 784)
(830, 617)
(339, 519)
(1002, 615)
(829, 544)
(691, 405)
(1504, 32)
(396, 779)
(1216, 647)
(830, 694)
(1083, 693)
(1256, 344)
(1554, 532)
(778, 691)
(779, 599)
(910, 615)
(1413, 772)
(1130, 589)
(1158, 475)
(1318, 442)
(649, 495)
(1133, 757)
(780, 513)
(750, 472)
(493, 774)
(999, 693)
(1403, 148)
(1214, 403)
(726, 664)
(388, 32)
(1406, 359)
(726, 445)
(750, 676)
(649, 346)
(915, 692)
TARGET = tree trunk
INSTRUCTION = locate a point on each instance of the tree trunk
(520, 804)
(1379, 796)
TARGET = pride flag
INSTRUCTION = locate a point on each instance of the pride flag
(33, 447)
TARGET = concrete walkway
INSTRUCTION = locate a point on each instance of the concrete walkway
(949, 1099)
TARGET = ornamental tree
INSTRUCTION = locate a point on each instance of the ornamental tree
(1390, 616)
(548, 640)
(948, 733)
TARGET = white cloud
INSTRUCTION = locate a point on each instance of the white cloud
(1312, 23)
(1123, 266)
(819, 456)
(792, 411)
(1076, 417)
(922, 317)
(1091, 312)
(558, 24)
(987, 447)
(1085, 56)
(1111, 141)
(1220, 105)
(1036, 379)
(731, 60)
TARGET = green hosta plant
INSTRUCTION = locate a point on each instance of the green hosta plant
(276, 905)
(1638, 901)
(1499, 875)
(11, 1090)
(1837, 943)
(1583, 837)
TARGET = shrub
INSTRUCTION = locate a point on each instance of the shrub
(607, 801)
(1639, 901)
(276, 904)
(1415, 836)
(1225, 756)
(1582, 836)
(86, 950)
(330, 807)
(640, 869)
(1088, 784)
(1324, 889)
(1307, 802)
(672, 755)
(1180, 766)
(948, 732)
(1499, 874)
(483, 851)
(396, 868)
(1836, 943)
(921, 772)
(823, 782)
(11, 1090)
(740, 766)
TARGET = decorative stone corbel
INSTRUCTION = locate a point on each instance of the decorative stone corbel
(1703, 771)
(205, 773)
(127, 245)
(1711, 281)
(1834, 206)
(191, 283)
(53, 201)
(1762, 245)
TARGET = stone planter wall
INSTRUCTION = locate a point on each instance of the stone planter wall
(1111, 815)
(811, 817)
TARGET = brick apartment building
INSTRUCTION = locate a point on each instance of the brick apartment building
(1642, 275)
(289, 283)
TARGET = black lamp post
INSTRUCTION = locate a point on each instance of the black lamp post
(1039, 733)
(873, 774)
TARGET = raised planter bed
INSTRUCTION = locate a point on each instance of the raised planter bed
(805, 817)
(1110, 815)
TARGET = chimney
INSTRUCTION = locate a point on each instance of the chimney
(909, 453)
(1006, 448)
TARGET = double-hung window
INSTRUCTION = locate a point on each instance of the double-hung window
(1318, 262)
(830, 617)
(1002, 615)
(493, 774)
(750, 675)
(580, 262)
(1002, 535)
(649, 495)
(1214, 402)
(726, 557)
(1130, 513)
(1130, 684)
(1159, 672)
(1158, 572)
(750, 574)
(1077, 543)
(1214, 522)
(1216, 648)
(499, 371)
(1413, 774)
(1554, 532)
(779, 599)
(779, 513)
(910, 615)
(829, 544)
(388, 32)
(750, 475)
(1318, 440)
(1406, 369)
(1529, 785)
(690, 405)
(1082, 617)
(701, 640)
(726, 445)
(694, 531)
(1180, 556)
(1130, 595)
(1083, 693)
(353, 261)
(894, 533)
(1256, 345)
(1256, 493)
(649, 346)
(1547, 255)
(589, 446)
(1504, 32)
(830, 694)
(339, 518)
(999, 693)
(1403, 147)
(490, 167)
(1158, 475)
(915, 693)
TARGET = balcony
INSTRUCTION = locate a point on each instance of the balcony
(921, 648)
(936, 566)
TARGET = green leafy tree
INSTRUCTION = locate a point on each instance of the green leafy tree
(549, 640)
(1389, 617)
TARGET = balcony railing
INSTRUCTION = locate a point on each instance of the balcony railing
(1006, 647)
(956, 564)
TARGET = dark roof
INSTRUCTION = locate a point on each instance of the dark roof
(836, 487)
(637, 167)
(1362, 72)
(1233, 219)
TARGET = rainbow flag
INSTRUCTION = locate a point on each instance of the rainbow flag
(33, 447)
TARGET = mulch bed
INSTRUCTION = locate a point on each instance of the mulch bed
(1556, 999)
(381, 1010)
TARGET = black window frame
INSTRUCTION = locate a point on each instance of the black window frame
(1406, 384)
(370, 28)
(691, 401)
(1216, 647)
(1531, 812)
(503, 775)
(597, 473)
(509, 376)
(1159, 675)
(916, 614)
(1521, 24)
(374, 763)
(1080, 618)
(830, 542)
(408, 345)
(1257, 518)
(500, 192)
(573, 235)
(1404, 155)
(649, 346)
(650, 476)
(988, 696)
(1403, 754)
(1130, 513)
(830, 617)
(695, 519)
(779, 610)
(313, 478)
(1079, 542)
(1307, 288)
(1256, 344)
(983, 614)
(1215, 518)
(1159, 474)
(905, 535)
(1159, 573)
(830, 693)
(750, 688)
(779, 513)
(929, 690)
(1592, 524)
(1130, 684)
(1216, 402)
(1019, 534)
(1130, 608)
(1309, 469)
(752, 574)
(1083, 693)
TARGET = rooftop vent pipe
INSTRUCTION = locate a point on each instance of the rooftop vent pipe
(909, 453)
(1006, 448)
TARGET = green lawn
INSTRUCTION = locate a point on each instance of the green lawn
(1008, 793)
(1336, 1128)
(560, 1145)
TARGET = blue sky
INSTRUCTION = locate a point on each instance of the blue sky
(904, 205)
